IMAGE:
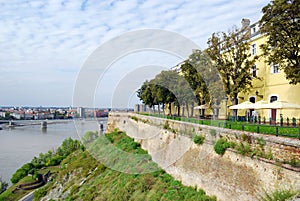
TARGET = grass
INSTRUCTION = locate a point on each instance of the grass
(292, 132)
(199, 139)
(279, 195)
(103, 183)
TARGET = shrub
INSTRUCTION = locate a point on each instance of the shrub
(167, 126)
(134, 118)
(199, 139)
(245, 148)
(38, 194)
(278, 195)
(221, 145)
(213, 132)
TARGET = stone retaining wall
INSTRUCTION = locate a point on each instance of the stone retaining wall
(229, 177)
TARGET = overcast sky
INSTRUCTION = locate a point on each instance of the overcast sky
(44, 44)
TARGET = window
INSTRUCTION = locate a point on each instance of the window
(253, 30)
(275, 69)
(253, 71)
(253, 49)
(252, 99)
(273, 98)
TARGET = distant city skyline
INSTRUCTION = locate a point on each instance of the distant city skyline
(44, 44)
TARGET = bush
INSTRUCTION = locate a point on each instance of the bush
(279, 195)
(221, 145)
(134, 118)
(245, 148)
(199, 139)
(38, 194)
(18, 175)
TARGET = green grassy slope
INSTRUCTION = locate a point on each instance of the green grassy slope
(83, 178)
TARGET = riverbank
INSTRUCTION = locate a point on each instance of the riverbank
(19, 145)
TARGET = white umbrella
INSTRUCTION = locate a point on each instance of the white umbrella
(280, 105)
(259, 104)
(201, 107)
(242, 106)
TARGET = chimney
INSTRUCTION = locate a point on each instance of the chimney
(245, 23)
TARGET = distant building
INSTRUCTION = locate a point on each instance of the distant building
(140, 108)
(81, 112)
(100, 113)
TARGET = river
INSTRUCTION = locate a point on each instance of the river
(19, 145)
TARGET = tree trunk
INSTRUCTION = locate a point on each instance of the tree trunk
(192, 111)
(187, 110)
(163, 107)
(170, 109)
(178, 111)
(234, 102)
(158, 109)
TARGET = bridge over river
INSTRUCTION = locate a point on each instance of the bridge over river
(17, 123)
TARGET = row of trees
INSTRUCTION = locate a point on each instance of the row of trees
(223, 69)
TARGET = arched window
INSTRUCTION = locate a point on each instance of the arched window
(252, 99)
(273, 98)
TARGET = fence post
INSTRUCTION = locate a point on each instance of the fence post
(219, 124)
(287, 121)
(259, 120)
(229, 126)
(264, 120)
(281, 120)
(276, 131)
(257, 129)
(270, 121)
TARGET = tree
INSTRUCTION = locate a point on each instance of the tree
(201, 61)
(231, 54)
(145, 94)
(280, 21)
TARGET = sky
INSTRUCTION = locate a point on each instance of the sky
(45, 44)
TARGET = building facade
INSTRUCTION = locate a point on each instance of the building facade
(270, 83)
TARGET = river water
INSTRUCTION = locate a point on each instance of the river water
(19, 145)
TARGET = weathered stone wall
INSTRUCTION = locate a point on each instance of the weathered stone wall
(229, 177)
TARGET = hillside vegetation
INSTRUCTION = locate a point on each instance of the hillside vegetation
(83, 178)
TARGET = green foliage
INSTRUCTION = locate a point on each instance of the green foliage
(261, 142)
(39, 193)
(167, 125)
(280, 21)
(278, 195)
(134, 118)
(294, 162)
(244, 148)
(199, 139)
(21, 173)
(221, 145)
(48, 159)
(107, 184)
(233, 60)
(89, 136)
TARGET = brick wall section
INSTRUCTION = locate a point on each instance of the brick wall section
(229, 177)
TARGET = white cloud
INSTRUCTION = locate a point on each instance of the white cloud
(55, 37)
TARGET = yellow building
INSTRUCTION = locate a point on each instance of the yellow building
(272, 85)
